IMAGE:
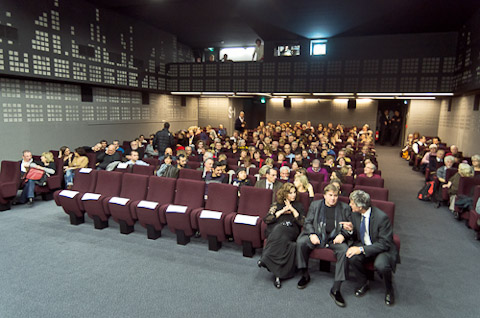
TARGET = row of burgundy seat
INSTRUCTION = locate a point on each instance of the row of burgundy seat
(155, 202)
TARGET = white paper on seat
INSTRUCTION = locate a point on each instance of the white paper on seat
(176, 208)
(207, 214)
(118, 200)
(147, 204)
(68, 193)
(85, 170)
(246, 219)
(91, 196)
(122, 165)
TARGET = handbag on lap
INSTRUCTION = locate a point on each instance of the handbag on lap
(34, 174)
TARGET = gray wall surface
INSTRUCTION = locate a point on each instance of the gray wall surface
(42, 116)
(423, 117)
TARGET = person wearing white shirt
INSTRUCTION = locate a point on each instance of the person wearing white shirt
(259, 50)
(26, 161)
(134, 159)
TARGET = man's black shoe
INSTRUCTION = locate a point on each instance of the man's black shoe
(389, 298)
(303, 282)
(362, 290)
(337, 297)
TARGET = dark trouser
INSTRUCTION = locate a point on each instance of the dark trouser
(305, 247)
(28, 191)
(381, 264)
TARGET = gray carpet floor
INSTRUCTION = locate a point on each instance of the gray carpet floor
(49, 268)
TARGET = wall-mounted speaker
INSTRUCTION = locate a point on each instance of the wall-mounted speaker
(287, 103)
(476, 102)
(183, 101)
(87, 93)
(145, 98)
(352, 103)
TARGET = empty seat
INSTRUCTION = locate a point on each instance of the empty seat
(222, 201)
(190, 174)
(70, 200)
(134, 189)
(371, 182)
(9, 183)
(108, 184)
(253, 171)
(143, 170)
(152, 161)
(161, 191)
(247, 225)
(375, 193)
(189, 195)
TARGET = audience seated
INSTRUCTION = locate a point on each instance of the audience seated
(107, 157)
(134, 159)
(369, 171)
(75, 161)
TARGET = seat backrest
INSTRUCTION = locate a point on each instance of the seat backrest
(371, 182)
(222, 197)
(253, 171)
(476, 194)
(466, 185)
(152, 161)
(232, 161)
(252, 179)
(190, 174)
(109, 183)
(304, 199)
(134, 186)
(189, 192)
(127, 169)
(387, 207)
(194, 164)
(254, 201)
(84, 181)
(10, 171)
(449, 173)
(375, 193)
(161, 190)
(92, 159)
(315, 176)
(143, 170)
(346, 188)
(348, 179)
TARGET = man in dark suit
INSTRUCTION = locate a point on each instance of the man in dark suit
(372, 234)
(323, 229)
(240, 123)
(270, 182)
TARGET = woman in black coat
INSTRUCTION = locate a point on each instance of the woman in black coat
(284, 222)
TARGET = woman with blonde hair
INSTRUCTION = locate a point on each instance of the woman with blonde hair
(302, 185)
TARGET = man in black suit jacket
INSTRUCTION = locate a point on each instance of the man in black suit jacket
(270, 182)
(372, 234)
(240, 123)
(323, 229)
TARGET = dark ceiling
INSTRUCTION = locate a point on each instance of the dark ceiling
(229, 23)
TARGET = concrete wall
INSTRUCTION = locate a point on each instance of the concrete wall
(461, 125)
(323, 111)
(423, 117)
(41, 116)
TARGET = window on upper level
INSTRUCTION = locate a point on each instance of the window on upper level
(318, 47)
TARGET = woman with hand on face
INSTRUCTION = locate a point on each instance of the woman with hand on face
(284, 221)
